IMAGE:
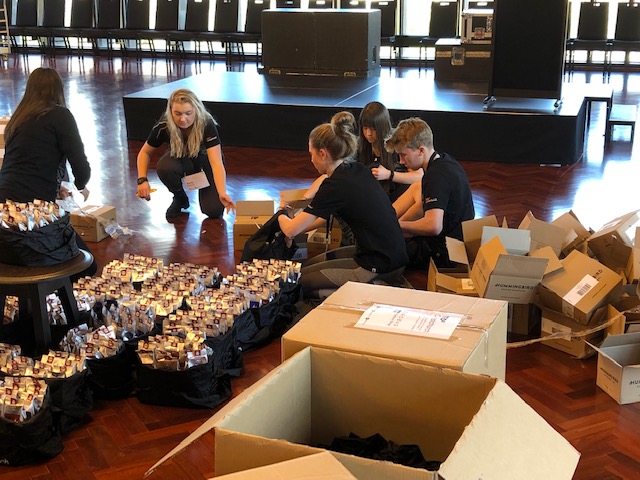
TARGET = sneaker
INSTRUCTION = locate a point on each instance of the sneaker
(180, 201)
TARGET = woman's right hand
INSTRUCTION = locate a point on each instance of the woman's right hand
(144, 191)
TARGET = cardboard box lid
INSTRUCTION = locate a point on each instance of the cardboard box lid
(295, 198)
(319, 466)
(623, 226)
(487, 432)
(457, 251)
(548, 253)
(255, 208)
(515, 242)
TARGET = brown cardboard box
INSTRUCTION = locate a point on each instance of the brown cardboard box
(89, 222)
(576, 234)
(580, 287)
(612, 244)
(312, 467)
(475, 425)
(250, 216)
(478, 344)
(512, 278)
(543, 234)
(453, 280)
(574, 338)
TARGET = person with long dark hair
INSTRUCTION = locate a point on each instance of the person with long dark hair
(375, 126)
(40, 137)
(194, 150)
(351, 192)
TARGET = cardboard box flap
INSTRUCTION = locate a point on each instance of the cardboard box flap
(522, 267)
(507, 438)
(295, 198)
(472, 233)
(548, 253)
(515, 242)
(311, 467)
(623, 226)
(457, 251)
(543, 233)
(255, 208)
(617, 340)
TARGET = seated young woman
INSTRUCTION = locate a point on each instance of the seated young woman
(352, 193)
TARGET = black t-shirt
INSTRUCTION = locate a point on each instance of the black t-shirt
(160, 135)
(445, 185)
(352, 193)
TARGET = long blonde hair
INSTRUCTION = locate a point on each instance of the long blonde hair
(178, 147)
(43, 93)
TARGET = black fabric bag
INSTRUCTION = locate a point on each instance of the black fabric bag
(227, 354)
(112, 378)
(42, 247)
(31, 441)
(258, 326)
(199, 386)
(71, 400)
(268, 242)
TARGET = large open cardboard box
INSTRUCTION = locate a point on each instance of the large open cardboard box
(613, 242)
(474, 424)
(312, 467)
(543, 234)
(478, 345)
(619, 367)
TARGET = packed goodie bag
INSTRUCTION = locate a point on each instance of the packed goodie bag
(268, 242)
(198, 386)
(112, 378)
(52, 244)
(227, 353)
(31, 441)
(71, 400)
(258, 326)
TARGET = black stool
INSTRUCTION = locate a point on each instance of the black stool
(32, 285)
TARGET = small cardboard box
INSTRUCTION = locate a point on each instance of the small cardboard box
(580, 287)
(89, 222)
(619, 367)
(250, 216)
(478, 345)
(512, 278)
(573, 338)
(475, 425)
(454, 280)
(612, 244)
(312, 467)
(295, 198)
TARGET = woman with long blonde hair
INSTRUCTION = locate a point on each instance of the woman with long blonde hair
(194, 157)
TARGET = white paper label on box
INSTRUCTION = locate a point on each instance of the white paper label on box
(580, 290)
(195, 181)
(410, 321)
(467, 284)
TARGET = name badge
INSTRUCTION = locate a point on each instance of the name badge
(195, 181)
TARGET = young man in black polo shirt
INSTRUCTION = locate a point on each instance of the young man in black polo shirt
(435, 207)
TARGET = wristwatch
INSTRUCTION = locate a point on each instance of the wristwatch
(141, 180)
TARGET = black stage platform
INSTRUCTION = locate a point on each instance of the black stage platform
(274, 111)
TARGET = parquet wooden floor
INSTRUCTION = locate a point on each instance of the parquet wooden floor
(124, 438)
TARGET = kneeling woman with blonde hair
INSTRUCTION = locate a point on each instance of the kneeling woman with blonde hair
(194, 148)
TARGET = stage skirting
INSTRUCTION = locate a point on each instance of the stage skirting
(279, 111)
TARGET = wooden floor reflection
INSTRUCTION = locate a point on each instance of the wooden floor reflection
(124, 438)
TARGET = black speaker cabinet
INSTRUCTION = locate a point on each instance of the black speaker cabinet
(529, 48)
(324, 42)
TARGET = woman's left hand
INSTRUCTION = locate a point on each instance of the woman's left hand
(381, 173)
(229, 206)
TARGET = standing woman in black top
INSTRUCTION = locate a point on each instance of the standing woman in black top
(351, 192)
(194, 147)
(375, 126)
(41, 136)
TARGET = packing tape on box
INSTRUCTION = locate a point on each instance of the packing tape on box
(565, 335)
(113, 228)
(367, 304)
